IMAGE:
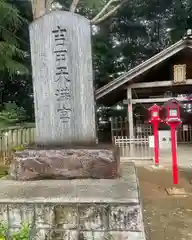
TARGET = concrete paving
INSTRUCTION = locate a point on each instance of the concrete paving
(184, 157)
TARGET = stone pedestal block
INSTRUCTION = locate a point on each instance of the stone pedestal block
(36, 164)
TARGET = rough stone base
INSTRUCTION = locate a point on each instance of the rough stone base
(96, 221)
(64, 164)
(76, 209)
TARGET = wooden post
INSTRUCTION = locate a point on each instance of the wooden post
(130, 112)
(112, 135)
(130, 117)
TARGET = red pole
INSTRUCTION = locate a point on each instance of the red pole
(156, 142)
(174, 154)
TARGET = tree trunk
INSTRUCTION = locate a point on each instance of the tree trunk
(102, 16)
(40, 7)
(74, 5)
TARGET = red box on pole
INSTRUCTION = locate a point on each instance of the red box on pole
(155, 120)
(173, 120)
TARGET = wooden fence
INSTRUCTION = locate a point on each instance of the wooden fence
(14, 137)
(120, 127)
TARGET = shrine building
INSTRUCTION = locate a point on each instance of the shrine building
(164, 76)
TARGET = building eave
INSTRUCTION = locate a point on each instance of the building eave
(143, 67)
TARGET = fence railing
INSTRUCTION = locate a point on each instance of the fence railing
(143, 130)
(12, 137)
(120, 127)
(184, 133)
(137, 148)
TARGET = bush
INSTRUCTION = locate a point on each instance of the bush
(12, 114)
(22, 234)
(19, 148)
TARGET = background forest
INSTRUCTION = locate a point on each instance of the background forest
(137, 30)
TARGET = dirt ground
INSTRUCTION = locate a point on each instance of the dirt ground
(166, 216)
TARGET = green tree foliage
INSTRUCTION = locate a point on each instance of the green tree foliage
(10, 52)
(12, 114)
(137, 31)
(18, 87)
(181, 18)
(91, 8)
(21, 234)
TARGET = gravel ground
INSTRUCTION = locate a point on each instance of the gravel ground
(165, 216)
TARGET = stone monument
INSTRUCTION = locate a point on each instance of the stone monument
(63, 79)
(64, 104)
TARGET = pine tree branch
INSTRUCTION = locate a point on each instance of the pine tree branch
(105, 16)
(103, 10)
(14, 35)
(74, 5)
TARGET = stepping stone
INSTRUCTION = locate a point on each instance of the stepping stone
(176, 191)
